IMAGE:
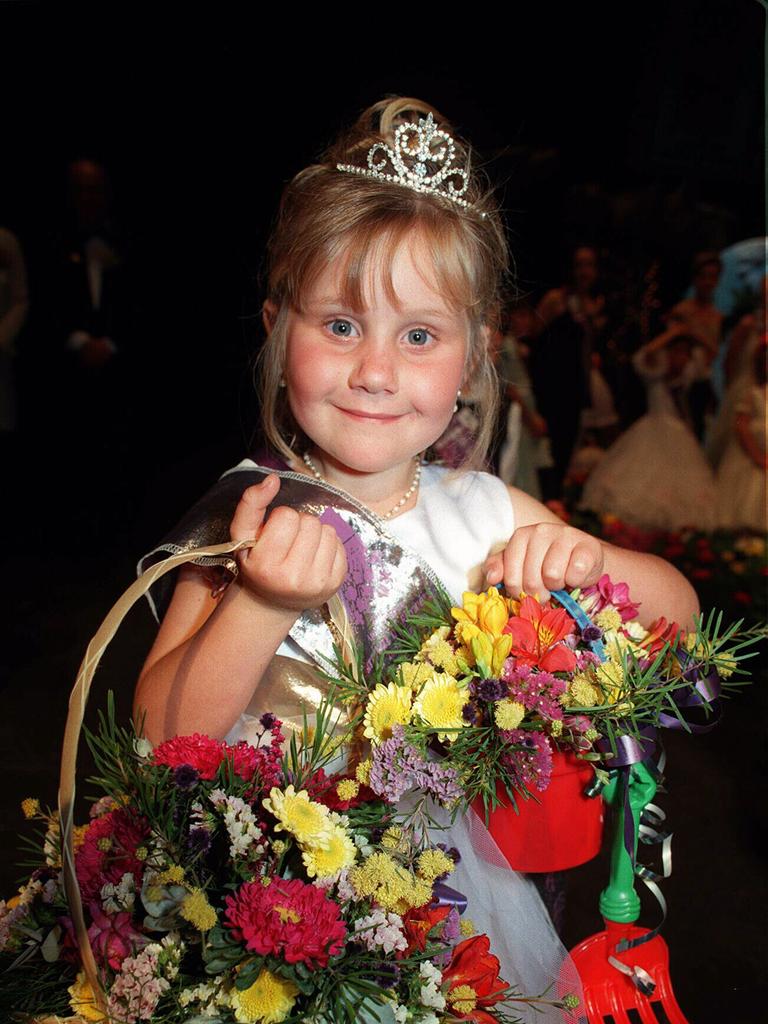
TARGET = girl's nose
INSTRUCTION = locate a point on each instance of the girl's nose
(374, 368)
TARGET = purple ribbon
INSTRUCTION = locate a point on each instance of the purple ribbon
(704, 693)
(444, 896)
(629, 749)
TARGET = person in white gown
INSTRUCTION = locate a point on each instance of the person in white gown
(655, 475)
(742, 498)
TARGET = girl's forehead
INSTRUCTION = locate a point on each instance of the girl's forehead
(401, 275)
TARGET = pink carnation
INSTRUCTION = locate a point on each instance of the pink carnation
(109, 851)
(201, 752)
(287, 918)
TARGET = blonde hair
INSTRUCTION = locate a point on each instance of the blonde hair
(327, 215)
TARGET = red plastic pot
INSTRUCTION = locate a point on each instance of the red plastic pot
(564, 829)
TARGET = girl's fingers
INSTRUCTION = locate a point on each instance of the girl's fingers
(580, 565)
(555, 564)
(494, 569)
(514, 557)
(538, 546)
(249, 514)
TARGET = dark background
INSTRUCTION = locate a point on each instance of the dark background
(638, 128)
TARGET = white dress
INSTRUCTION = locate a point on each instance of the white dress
(458, 521)
(655, 475)
(742, 501)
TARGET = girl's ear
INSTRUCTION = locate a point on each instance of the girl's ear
(268, 315)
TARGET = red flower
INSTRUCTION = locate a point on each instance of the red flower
(323, 789)
(288, 919)
(473, 975)
(201, 752)
(417, 925)
(537, 632)
(109, 851)
(661, 632)
(607, 594)
(113, 937)
(742, 597)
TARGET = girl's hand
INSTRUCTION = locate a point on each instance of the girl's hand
(546, 556)
(297, 563)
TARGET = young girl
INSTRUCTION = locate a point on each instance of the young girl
(385, 264)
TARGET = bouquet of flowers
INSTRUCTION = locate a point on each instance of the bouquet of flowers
(496, 686)
(241, 883)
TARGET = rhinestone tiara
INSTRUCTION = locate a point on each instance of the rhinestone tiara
(417, 144)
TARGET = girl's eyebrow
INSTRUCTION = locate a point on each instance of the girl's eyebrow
(336, 301)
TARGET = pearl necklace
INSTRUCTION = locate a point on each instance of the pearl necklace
(414, 483)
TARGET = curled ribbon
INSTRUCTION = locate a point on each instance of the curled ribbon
(444, 896)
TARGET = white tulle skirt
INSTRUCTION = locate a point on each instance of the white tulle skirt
(654, 476)
(507, 907)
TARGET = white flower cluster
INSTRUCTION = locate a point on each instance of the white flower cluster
(119, 896)
(381, 930)
(430, 994)
(169, 952)
(240, 822)
(209, 997)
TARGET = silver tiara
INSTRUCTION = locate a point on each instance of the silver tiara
(430, 145)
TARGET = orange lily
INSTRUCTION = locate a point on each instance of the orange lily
(537, 634)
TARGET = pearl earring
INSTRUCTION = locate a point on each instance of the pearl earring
(281, 382)
(458, 396)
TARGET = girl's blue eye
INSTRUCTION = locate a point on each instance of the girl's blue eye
(418, 336)
(341, 328)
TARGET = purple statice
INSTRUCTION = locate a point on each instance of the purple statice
(186, 777)
(536, 691)
(470, 712)
(398, 766)
(591, 633)
(488, 689)
(267, 720)
(531, 765)
(199, 841)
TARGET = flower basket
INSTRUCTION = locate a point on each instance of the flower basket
(560, 828)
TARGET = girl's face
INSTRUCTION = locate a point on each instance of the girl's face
(374, 388)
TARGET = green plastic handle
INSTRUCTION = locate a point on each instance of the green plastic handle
(619, 901)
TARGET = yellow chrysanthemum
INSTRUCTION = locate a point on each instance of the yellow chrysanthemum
(610, 677)
(556, 728)
(296, 813)
(438, 651)
(466, 927)
(440, 704)
(488, 611)
(173, 875)
(391, 838)
(582, 692)
(30, 806)
(340, 853)
(363, 771)
(196, 909)
(608, 619)
(269, 1000)
(82, 1000)
(463, 998)
(78, 838)
(391, 886)
(433, 863)
(508, 713)
(387, 706)
(347, 789)
(413, 674)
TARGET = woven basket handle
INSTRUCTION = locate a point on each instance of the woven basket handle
(77, 702)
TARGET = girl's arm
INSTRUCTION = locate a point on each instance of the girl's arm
(545, 554)
(209, 654)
